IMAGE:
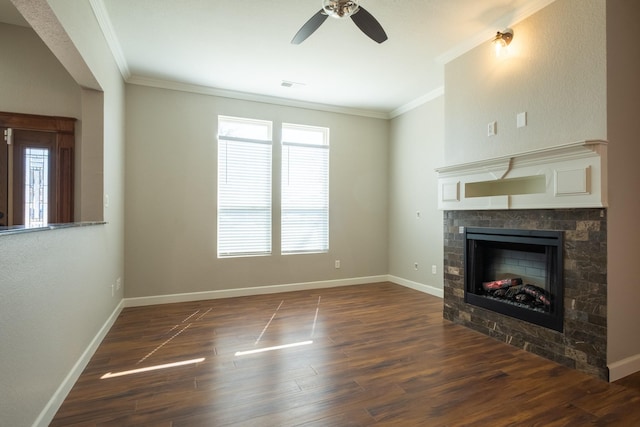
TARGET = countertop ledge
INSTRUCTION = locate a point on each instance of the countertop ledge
(20, 229)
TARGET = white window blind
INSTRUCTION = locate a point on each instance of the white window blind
(244, 186)
(305, 189)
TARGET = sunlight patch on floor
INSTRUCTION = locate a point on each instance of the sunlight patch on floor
(277, 347)
(152, 368)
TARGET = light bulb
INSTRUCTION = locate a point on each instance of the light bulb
(499, 45)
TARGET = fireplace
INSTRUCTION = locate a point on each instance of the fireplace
(516, 272)
(581, 343)
(496, 212)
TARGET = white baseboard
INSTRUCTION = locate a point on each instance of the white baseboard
(624, 367)
(49, 411)
(427, 289)
(258, 290)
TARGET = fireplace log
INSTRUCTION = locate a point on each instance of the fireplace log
(501, 284)
(499, 293)
(523, 298)
(513, 291)
(540, 295)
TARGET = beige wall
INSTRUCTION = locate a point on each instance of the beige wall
(623, 57)
(416, 150)
(556, 72)
(33, 80)
(171, 197)
(56, 285)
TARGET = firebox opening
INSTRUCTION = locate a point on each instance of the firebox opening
(517, 273)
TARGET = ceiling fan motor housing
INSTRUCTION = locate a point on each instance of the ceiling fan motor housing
(340, 8)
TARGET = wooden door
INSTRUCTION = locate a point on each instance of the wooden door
(36, 170)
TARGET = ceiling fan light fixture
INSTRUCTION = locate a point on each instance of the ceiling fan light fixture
(340, 8)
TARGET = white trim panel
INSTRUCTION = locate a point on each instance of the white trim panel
(258, 290)
(565, 176)
(624, 367)
(427, 289)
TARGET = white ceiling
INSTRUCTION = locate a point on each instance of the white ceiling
(243, 47)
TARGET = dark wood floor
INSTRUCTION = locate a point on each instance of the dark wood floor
(381, 354)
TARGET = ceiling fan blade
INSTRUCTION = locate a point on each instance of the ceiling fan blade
(309, 27)
(368, 24)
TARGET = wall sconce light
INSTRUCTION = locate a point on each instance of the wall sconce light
(502, 40)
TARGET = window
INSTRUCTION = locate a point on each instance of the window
(244, 186)
(36, 179)
(305, 189)
(245, 209)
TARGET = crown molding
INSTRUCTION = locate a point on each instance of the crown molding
(430, 96)
(100, 11)
(206, 90)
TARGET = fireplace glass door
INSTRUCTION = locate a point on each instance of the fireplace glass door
(517, 273)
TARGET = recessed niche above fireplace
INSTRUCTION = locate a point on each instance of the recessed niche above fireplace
(518, 273)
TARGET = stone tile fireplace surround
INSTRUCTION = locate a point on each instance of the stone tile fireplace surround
(561, 188)
(583, 343)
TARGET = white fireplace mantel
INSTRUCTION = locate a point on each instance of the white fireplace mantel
(565, 176)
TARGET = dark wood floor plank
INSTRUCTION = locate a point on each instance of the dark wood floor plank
(381, 354)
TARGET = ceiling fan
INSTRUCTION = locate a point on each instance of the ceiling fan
(342, 9)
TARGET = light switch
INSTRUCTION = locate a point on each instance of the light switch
(521, 120)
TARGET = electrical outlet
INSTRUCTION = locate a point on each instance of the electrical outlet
(337, 264)
(434, 269)
(415, 265)
(113, 290)
(118, 283)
